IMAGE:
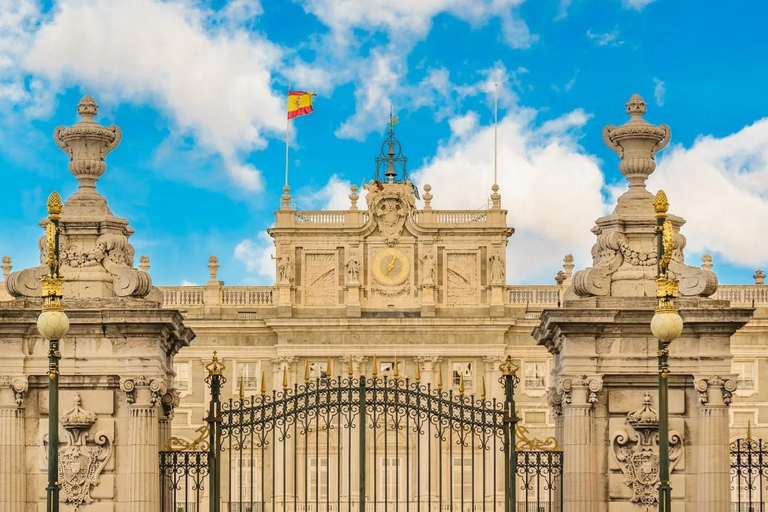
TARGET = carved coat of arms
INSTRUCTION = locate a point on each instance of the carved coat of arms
(80, 463)
(390, 204)
(637, 451)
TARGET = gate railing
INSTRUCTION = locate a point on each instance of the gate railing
(749, 475)
(362, 444)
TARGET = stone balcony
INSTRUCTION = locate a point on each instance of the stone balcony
(329, 219)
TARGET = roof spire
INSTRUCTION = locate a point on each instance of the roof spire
(391, 154)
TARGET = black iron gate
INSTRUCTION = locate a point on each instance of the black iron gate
(365, 444)
(749, 475)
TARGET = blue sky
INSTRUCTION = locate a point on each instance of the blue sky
(198, 89)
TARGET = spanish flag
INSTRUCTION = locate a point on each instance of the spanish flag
(299, 103)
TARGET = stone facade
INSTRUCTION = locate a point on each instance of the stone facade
(410, 286)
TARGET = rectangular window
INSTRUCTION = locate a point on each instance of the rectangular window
(391, 479)
(248, 373)
(746, 378)
(181, 381)
(242, 472)
(462, 368)
(387, 368)
(318, 370)
(535, 375)
(317, 478)
(462, 478)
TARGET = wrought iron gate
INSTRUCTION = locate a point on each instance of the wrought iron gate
(749, 475)
(361, 444)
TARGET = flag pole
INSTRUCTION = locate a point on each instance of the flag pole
(287, 136)
(495, 133)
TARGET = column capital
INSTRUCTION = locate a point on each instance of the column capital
(578, 390)
(170, 400)
(142, 390)
(715, 390)
(280, 362)
(492, 362)
(427, 363)
(18, 385)
(357, 362)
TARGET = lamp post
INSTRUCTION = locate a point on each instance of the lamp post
(666, 326)
(53, 324)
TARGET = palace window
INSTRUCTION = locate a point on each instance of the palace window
(317, 478)
(248, 373)
(391, 479)
(387, 368)
(242, 472)
(462, 368)
(318, 370)
(181, 380)
(535, 375)
(462, 478)
(746, 378)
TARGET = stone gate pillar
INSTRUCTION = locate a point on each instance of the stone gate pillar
(605, 372)
(12, 446)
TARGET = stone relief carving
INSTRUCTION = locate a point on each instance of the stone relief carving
(389, 291)
(496, 271)
(389, 208)
(320, 288)
(353, 268)
(19, 385)
(462, 277)
(285, 271)
(80, 463)
(428, 269)
(636, 450)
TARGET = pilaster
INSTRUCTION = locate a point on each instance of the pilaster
(13, 470)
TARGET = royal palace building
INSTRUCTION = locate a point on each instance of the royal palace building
(392, 290)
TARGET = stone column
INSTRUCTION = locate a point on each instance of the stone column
(430, 448)
(351, 366)
(143, 474)
(581, 472)
(12, 449)
(494, 491)
(282, 379)
(713, 475)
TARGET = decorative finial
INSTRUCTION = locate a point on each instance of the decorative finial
(391, 153)
(87, 108)
(636, 106)
(707, 262)
(215, 367)
(396, 373)
(508, 368)
(144, 263)
(213, 268)
(54, 203)
(353, 197)
(418, 372)
(285, 378)
(759, 277)
(482, 389)
(439, 376)
(660, 202)
(7, 267)
(306, 371)
(350, 368)
(427, 197)
(495, 197)
(375, 369)
(329, 368)
(461, 383)
(242, 388)
(263, 384)
(285, 199)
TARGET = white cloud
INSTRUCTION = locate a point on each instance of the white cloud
(659, 91)
(637, 5)
(257, 256)
(408, 21)
(562, 9)
(185, 282)
(463, 125)
(18, 20)
(551, 188)
(605, 39)
(215, 85)
(720, 186)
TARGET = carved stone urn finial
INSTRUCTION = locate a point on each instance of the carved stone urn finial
(636, 142)
(87, 143)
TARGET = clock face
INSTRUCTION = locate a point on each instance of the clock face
(391, 266)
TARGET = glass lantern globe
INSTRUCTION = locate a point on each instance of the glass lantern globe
(666, 325)
(53, 325)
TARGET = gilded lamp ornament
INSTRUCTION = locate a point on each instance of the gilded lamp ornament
(666, 325)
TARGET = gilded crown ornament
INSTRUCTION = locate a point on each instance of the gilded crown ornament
(215, 367)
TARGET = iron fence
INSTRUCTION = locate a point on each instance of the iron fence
(749, 475)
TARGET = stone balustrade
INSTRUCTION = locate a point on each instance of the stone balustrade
(196, 296)
(358, 218)
(534, 295)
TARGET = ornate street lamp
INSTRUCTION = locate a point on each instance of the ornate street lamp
(53, 324)
(666, 326)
